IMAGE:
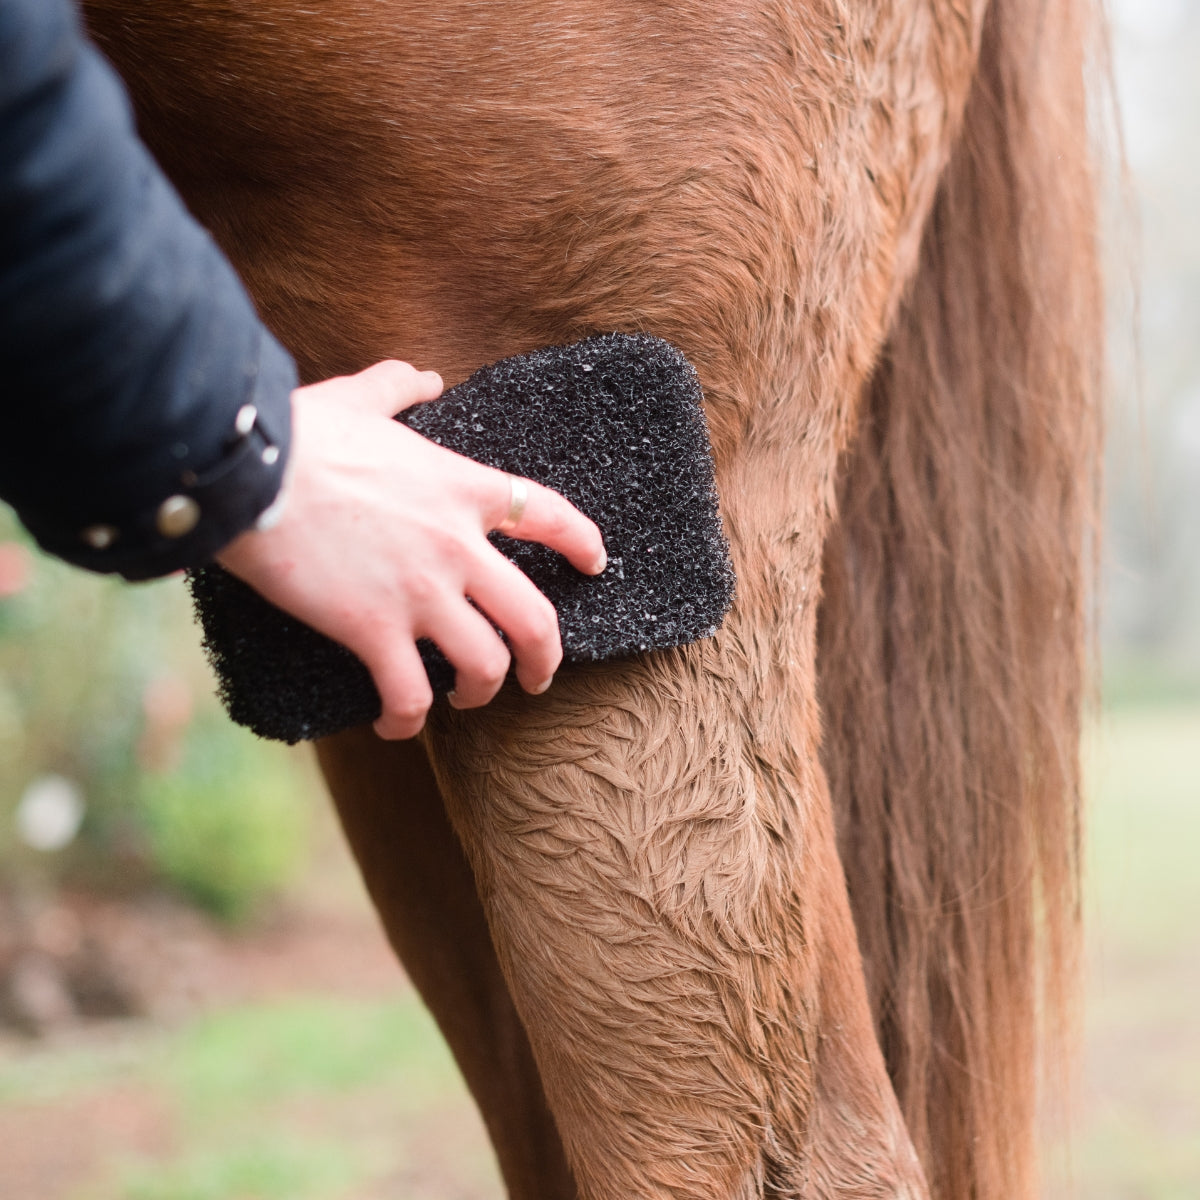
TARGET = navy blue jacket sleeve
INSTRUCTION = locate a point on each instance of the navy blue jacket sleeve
(144, 408)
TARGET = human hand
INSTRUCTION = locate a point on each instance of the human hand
(383, 538)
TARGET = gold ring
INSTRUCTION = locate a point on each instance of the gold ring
(518, 495)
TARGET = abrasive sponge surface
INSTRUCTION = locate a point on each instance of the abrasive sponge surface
(616, 424)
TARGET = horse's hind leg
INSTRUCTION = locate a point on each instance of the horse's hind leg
(424, 891)
(654, 853)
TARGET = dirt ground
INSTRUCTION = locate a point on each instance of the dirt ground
(185, 967)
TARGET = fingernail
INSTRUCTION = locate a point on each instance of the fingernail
(544, 686)
(600, 563)
(452, 697)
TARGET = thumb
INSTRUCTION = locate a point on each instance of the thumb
(386, 388)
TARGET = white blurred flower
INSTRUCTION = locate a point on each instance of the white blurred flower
(49, 812)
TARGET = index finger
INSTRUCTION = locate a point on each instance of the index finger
(543, 515)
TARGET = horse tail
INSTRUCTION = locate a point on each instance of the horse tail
(954, 621)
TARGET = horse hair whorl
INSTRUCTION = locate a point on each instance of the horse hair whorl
(953, 626)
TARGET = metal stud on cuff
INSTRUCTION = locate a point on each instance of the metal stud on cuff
(244, 421)
(176, 516)
(179, 514)
(99, 537)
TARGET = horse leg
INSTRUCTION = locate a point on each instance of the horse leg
(423, 889)
(653, 845)
(668, 904)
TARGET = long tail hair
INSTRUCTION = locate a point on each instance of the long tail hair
(954, 623)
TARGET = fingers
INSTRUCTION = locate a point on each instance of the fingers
(386, 388)
(527, 618)
(470, 642)
(399, 674)
(480, 659)
(408, 385)
(552, 520)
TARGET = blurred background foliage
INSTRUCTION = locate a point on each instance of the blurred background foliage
(118, 770)
(1150, 615)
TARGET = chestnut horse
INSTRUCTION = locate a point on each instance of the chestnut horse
(779, 914)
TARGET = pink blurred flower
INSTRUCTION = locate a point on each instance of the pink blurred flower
(167, 706)
(167, 700)
(16, 569)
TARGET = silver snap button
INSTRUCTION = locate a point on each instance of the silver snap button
(99, 537)
(270, 455)
(244, 421)
(177, 515)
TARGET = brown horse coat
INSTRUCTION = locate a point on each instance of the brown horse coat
(871, 228)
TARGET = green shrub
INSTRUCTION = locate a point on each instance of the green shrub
(103, 685)
(227, 827)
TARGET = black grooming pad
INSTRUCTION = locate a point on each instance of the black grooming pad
(615, 423)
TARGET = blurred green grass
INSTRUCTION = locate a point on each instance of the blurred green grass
(309, 1098)
(269, 1100)
(1143, 879)
(104, 686)
(1138, 1114)
(270, 1169)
